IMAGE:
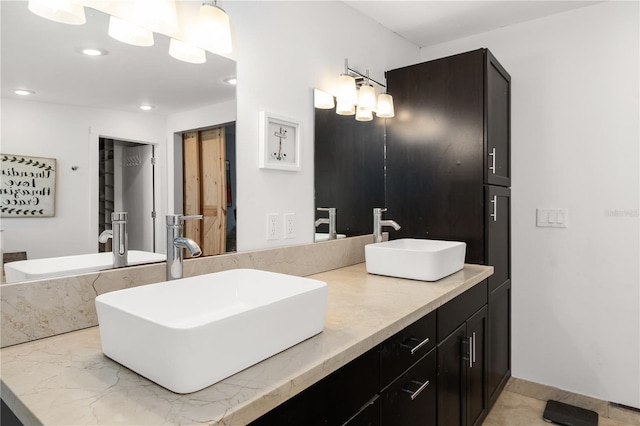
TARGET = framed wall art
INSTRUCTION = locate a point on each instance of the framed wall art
(28, 186)
(279, 143)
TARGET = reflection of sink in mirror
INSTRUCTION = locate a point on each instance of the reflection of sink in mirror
(59, 266)
(425, 260)
(319, 236)
(200, 330)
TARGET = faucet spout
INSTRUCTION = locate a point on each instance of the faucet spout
(331, 221)
(105, 235)
(391, 223)
(119, 238)
(378, 223)
(189, 244)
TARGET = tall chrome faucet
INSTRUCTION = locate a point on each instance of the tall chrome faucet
(176, 241)
(378, 223)
(119, 238)
(331, 220)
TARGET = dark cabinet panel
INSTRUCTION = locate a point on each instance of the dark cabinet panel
(452, 358)
(457, 311)
(499, 340)
(369, 415)
(411, 399)
(476, 385)
(435, 151)
(498, 234)
(498, 123)
(349, 170)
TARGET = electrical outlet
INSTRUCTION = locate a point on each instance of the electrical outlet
(289, 225)
(273, 226)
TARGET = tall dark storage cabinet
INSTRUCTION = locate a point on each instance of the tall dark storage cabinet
(448, 175)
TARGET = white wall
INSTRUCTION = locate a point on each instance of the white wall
(575, 139)
(63, 132)
(284, 50)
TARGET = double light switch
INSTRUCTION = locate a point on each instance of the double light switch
(551, 218)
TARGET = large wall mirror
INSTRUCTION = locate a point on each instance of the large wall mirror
(84, 113)
(349, 161)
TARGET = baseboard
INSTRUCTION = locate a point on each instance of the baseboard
(544, 393)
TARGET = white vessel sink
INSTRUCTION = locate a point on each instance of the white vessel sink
(425, 260)
(51, 267)
(190, 333)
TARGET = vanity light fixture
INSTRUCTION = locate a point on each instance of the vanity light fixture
(214, 28)
(323, 100)
(356, 96)
(63, 11)
(130, 33)
(186, 52)
(24, 92)
(159, 16)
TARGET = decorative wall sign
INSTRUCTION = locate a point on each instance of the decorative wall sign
(27, 186)
(279, 143)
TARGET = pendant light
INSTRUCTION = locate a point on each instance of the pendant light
(159, 16)
(363, 114)
(345, 108)
(186, 52)
(214, 29)
(367, 97)
(63, 11)
(323, 100)
(129, 33)
(385, 106)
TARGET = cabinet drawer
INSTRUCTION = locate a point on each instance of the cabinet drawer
(411, 400)
(456, 311)
(406, 347)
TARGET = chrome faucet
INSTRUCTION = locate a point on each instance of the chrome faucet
(331, 221)
(176, 241)
(378, 223)
(119, 238)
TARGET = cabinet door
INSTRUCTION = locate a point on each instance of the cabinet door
(498, 123)
(499, 341)
(498, 234)
(476, 384)
(411, 399)
(452, 367)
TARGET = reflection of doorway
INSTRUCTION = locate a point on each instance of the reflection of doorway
(205, 189)
(126, 184)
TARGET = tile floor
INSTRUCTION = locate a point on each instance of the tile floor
(513, 409)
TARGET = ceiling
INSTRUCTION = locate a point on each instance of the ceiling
(43, 56)
(426, 23)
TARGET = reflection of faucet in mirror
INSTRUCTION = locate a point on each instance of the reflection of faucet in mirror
(118, 235)
(176, 241)
(331, 221)
(378, 223)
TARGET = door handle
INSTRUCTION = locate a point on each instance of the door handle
(494, 215)
(474, 346)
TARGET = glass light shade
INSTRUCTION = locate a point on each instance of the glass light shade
(385, 106)
(364, 114)
(129, 33)
(186, 52)
(159, 16)
(323, 100)
(367, 97)
(63, 11)
(345, 109)
(347, 93)
(214, 29)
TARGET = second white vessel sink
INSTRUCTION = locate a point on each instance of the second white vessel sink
(416, 259)
(190, 333)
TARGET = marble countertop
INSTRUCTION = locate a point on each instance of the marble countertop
(66, 380)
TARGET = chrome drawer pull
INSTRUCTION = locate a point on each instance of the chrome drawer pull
(494, 215)
(417, 347)
(492, 167)
(415, 394)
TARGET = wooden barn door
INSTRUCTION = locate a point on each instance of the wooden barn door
(205, 189)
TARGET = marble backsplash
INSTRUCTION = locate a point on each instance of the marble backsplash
(38, 309)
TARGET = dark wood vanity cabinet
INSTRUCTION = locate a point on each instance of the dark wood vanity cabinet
(448, 173)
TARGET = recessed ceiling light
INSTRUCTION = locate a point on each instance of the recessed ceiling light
(94, 52)
(231, 80)
(23, 92)
(147, 107)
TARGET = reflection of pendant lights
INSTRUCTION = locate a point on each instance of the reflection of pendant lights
(323, 100)
(63, 11)
(186, 52)
(214, 29)
(129, 33)
(159, 16)
(361, 101)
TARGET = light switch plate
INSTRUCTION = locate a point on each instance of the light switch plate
(552, 218)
